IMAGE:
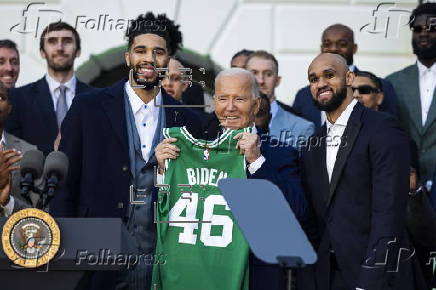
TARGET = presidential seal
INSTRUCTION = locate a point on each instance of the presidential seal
(31, 238)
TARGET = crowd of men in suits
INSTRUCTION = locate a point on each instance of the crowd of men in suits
(355, 155)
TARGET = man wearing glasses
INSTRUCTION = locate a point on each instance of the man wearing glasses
(368, 89)
(415, 86)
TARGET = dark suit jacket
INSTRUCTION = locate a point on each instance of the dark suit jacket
(364, 206)
(33, 117)
(406, 83)
(94, 137)
(281, 168)
(304, 106)
(433, 192)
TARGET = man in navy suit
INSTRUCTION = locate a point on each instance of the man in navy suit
(236, 104)
(339, 39)
(109, 136)
(357, 190)
(39, 107)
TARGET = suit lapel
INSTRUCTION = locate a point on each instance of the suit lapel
(81, 87)
(413, 101)
(348, 138)
(44, 103)
(114, 108)
(320, 152)
(276, 123)
(166, 100)
(9, 142)
(12, 143)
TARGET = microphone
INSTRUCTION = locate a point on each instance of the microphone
(30, 169)
(55, 171)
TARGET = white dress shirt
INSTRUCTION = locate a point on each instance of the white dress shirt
(53, 86)
(9, 207)
(334, 135)
(427, 84)
(146, 119)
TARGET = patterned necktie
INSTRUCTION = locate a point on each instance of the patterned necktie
(61, 106)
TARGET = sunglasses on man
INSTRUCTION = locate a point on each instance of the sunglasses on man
(365, 89)
(420, 28)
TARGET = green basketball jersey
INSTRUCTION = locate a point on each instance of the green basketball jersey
(196, 231)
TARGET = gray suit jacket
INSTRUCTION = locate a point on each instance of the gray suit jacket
(13, 142)
(289, 128)
(406, 84)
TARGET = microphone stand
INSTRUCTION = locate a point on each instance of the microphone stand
(26, 185)
(51, 186)
(289, 266)
(46, 194)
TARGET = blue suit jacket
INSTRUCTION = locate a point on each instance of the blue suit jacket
(364, 205)
(304, 106)
(289, 128)
(94, 137)
(33, 117)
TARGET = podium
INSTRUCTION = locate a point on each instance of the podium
(86, 245)
(269, 225)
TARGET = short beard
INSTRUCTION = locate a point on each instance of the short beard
(334, 103)
(68, 66)
(60, 68)
(424, 53)
(148, 86)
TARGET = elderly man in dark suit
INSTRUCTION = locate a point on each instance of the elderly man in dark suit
(339, 39)
(109, 136)
(40, 107)
(356, 177)
(236, 102)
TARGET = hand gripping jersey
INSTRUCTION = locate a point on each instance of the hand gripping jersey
(202, 243)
